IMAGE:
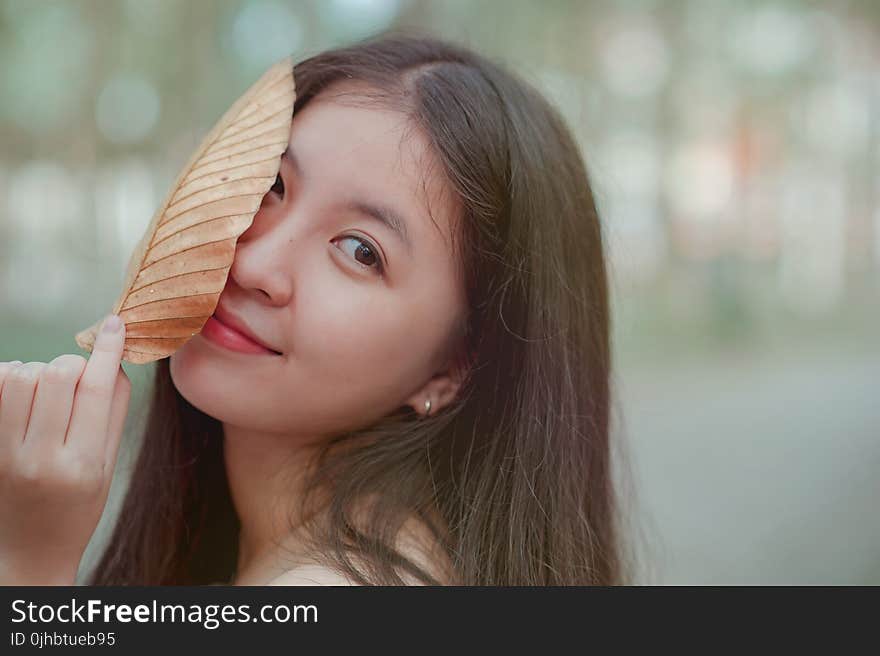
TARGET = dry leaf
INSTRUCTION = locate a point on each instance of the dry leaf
(178, 269)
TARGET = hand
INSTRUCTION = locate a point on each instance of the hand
(60, 428)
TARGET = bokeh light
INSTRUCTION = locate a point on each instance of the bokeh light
(353, 19)
(264, 32)
(127, 109)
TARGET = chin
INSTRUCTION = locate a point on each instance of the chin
(217, 394)
(186, 370)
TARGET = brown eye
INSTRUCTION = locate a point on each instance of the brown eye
(364, 253)
(278, 187)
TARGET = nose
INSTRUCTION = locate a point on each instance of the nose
(257, 266)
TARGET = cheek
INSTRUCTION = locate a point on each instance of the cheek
(340, 335)
(365, 351)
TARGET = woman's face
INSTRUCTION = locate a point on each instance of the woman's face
(364, 318)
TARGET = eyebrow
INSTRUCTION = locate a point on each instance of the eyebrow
(384, 214)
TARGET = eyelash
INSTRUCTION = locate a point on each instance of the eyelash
(277, 180)
(380, 265)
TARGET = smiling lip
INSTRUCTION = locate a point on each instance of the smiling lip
(218, 332)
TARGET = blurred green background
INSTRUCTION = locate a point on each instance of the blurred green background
(735, 155)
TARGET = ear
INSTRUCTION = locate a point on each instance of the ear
(441, 390)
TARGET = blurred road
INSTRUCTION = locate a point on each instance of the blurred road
(758, 469)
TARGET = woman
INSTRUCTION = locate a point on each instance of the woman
(428, 273)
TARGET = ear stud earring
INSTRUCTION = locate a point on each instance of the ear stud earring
(427, 407)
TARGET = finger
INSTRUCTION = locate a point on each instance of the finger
(53, 402)
(116, 426)
(5, 369)
(94, 393)
(16, 403)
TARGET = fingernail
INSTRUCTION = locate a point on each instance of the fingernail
(112, 324)
(16, 362)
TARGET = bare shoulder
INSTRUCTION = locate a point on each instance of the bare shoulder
(415, 541)
(311, 574)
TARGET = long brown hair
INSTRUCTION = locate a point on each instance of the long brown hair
(514, 478)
